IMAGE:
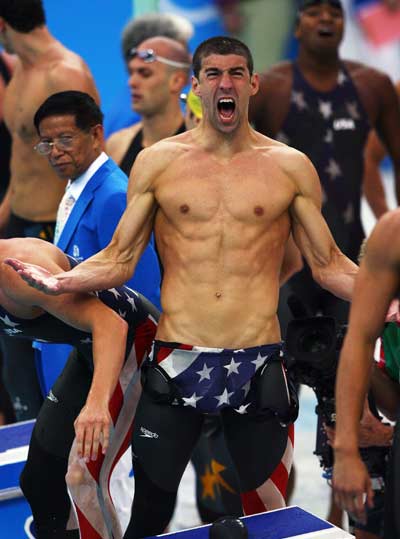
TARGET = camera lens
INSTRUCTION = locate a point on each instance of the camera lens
(315, 342)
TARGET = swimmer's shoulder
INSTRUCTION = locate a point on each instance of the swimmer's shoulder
(292, 161)
(367, 79)
(33, 251)
(153, 161)
(170, 148)
(68, 71)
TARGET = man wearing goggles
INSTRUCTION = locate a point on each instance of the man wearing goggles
(149, 56)
(158, 71)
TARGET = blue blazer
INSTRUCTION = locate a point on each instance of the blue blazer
(92, 222)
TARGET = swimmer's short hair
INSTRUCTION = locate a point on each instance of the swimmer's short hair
(81, 105)
(221, 45)
(23, 15)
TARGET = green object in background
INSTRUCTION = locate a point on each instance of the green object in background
(391, 348)
(144, 6)
(267, 24)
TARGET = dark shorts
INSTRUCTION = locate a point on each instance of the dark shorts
(22, 228)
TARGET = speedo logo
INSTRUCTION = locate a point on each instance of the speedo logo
(344, 124)
(147, 433)
(52, 397)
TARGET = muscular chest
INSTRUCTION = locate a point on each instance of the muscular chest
(209, 192)
(25, 93)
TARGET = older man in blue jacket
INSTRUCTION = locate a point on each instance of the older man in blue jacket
(70, 127)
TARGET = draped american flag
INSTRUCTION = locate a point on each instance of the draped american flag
(97, 511)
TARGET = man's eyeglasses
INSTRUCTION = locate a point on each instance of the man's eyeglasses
(63, 144)
(148, 56)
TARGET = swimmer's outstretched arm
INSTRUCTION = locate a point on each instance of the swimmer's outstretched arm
(330, 268)
(109, 335)
(115, 264)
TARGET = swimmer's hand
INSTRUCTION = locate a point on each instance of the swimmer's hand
(92, 430)
(352, 485)
(38, 277)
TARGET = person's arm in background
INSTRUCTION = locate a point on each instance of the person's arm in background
(5, 208)
(376, 284)
(388, 127)
(330, 268)
(373, 188)
(109, 333)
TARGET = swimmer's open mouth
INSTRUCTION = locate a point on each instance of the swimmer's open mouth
(326, 32)
(226, 107)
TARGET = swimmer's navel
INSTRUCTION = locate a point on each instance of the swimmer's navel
(184, 208)
(218, 295)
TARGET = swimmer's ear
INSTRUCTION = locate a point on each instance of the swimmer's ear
(195, 86)
(255, 83)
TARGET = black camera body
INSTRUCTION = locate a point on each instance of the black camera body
(313, 347)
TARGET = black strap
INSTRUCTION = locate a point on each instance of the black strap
(136, 146)
(4, 70)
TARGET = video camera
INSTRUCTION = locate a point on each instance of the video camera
(313, 347)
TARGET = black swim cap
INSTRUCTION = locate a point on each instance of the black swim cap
(228, 528)
(308, 3)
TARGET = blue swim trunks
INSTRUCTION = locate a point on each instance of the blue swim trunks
(211, 379)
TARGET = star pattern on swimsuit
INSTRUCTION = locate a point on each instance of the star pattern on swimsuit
(191, 401)
(122, 313)
(341, 78)
(352, 109)
(224, 397)
(232, 367)
(298, 99)
(12, 331)
(348, 214)
(205, 373)
(325, 108)
(115, 292)
(132, 303)
(259, 361)
(333, 169)
(88, 340)
(8, 322)
(246, 388)
(328, 136)
(242, 408)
